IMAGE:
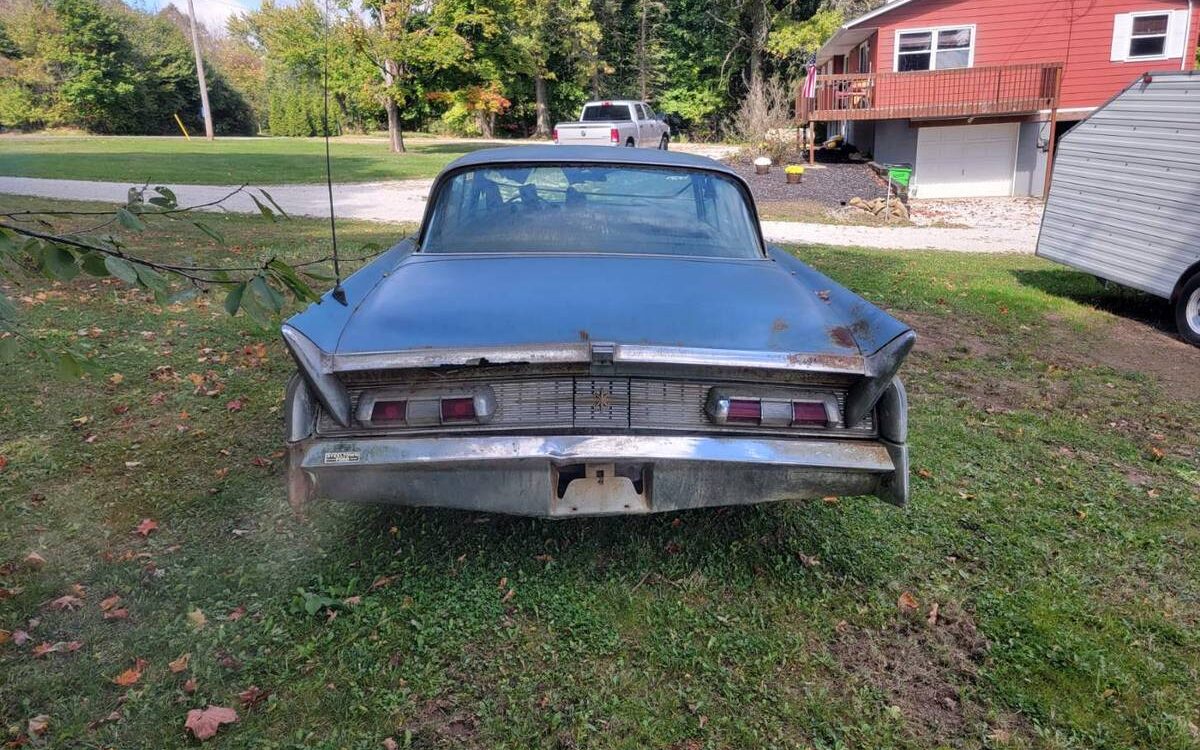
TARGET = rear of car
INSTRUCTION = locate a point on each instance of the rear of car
(571, 335)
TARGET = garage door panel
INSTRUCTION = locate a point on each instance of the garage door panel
(965, 161)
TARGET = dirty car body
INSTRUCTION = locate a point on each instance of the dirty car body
(585, 331)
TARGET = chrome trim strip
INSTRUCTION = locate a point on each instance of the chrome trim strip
(401, 453)
(313, 364)
(582, 353)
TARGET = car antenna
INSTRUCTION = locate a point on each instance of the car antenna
(339, 293)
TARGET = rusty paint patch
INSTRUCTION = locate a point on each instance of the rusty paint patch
(842, 336)
(825, 361)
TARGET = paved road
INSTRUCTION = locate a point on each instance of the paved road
(404, 201)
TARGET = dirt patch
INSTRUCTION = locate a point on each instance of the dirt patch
(927, 671)
(1133, 346)
(440, 723)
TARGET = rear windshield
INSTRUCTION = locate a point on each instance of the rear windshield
(592, 209)
(605, 112)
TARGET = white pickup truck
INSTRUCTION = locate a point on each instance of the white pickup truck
(615, 123)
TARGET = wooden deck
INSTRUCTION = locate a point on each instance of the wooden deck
(962, 92)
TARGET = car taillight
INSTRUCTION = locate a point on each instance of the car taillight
(388, 412)
(458, 410)
(556, 135)
(744, 410)
(614, 136)
(809, 414)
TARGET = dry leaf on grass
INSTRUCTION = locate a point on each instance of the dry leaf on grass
(907, 602)
(39, 725)
(180, 664)
(146, 526)
(197, 619)
(203, 724)
(132, 675)
(66, 603)
(109, 603)
(34, 560)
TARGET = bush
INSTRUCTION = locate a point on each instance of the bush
(763, 121)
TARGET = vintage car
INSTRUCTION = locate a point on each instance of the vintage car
(581, 331)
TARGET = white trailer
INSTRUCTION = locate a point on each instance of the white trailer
(1124, 201)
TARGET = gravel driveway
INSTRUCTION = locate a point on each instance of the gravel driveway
(995, 227)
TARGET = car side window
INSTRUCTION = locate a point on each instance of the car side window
(641, 111)
(649, 113)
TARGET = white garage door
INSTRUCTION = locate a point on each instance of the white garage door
(965, 161)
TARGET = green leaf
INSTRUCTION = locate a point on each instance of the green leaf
(59, 263)
(129, 221)
(290, 280)
(68, 366)
(93, 263)
(274, 203)
(7, 310)
(233, 300)
(262, 208)
(122, 269)
(154, 281)
(220, 239)
(270, 299)
(255, 310)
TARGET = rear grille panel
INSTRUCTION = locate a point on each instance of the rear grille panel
(591, 404)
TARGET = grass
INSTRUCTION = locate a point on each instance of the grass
(1052, 523)
(225, 161)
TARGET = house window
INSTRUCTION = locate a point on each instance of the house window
(934, 49)
(864, 57)
(1148, 37)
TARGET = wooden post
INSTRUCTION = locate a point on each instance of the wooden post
(1050, 139)
(208, 126)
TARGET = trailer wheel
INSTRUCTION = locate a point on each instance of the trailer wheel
(1187, 311)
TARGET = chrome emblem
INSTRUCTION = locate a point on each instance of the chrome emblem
(601, 399)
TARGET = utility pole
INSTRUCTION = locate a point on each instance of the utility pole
(208, 128)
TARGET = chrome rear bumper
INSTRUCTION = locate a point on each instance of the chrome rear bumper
(579, 475)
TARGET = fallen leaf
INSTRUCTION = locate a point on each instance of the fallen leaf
(146, 526)
(352, 601)
(236, 613)
(1157, 453)
(178, 665)
(252, 696)
(34, 560)
(79, 590)
(3, 462)
(381, 581)
(808, 561)
(66, 603)
(5, 636)
(116, 378)
(508, 596)
(9, 592)
(390, 744)
(924, 473)
(260, 461)
(20, 637)
(197, 619)
(189, 685)
(110, 603)
(204, 724)
(39, 725)
(907, 602)
(236, 404)
(120, 613)
(132, 675)
(933, 615)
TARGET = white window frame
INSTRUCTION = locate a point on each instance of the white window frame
(1166, 35)
(933, 32)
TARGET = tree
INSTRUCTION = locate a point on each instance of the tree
(102, 81)
(543, 30)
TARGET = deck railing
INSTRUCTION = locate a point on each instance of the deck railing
(962, 92)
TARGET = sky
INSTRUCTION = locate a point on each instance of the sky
(212, 13)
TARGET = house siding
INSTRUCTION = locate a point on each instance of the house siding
(1029, 178)
(895, 142)
(1009, 33)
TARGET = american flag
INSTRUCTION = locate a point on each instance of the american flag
(810, 77)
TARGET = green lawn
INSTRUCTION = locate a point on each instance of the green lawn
(1053, 524)
(225, 161)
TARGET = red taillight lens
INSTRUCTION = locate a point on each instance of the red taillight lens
(458, 410)
(388, 411)
(809, 414)
(614, 136)
(556, 135)
(744, 410)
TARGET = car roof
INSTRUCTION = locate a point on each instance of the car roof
(641, 157)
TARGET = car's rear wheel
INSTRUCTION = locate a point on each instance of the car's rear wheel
(662, 145)
(1187, 311)
(629, 143)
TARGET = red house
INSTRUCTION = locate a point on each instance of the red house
(971, 92)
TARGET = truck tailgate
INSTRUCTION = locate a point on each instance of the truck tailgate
(585, 134)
